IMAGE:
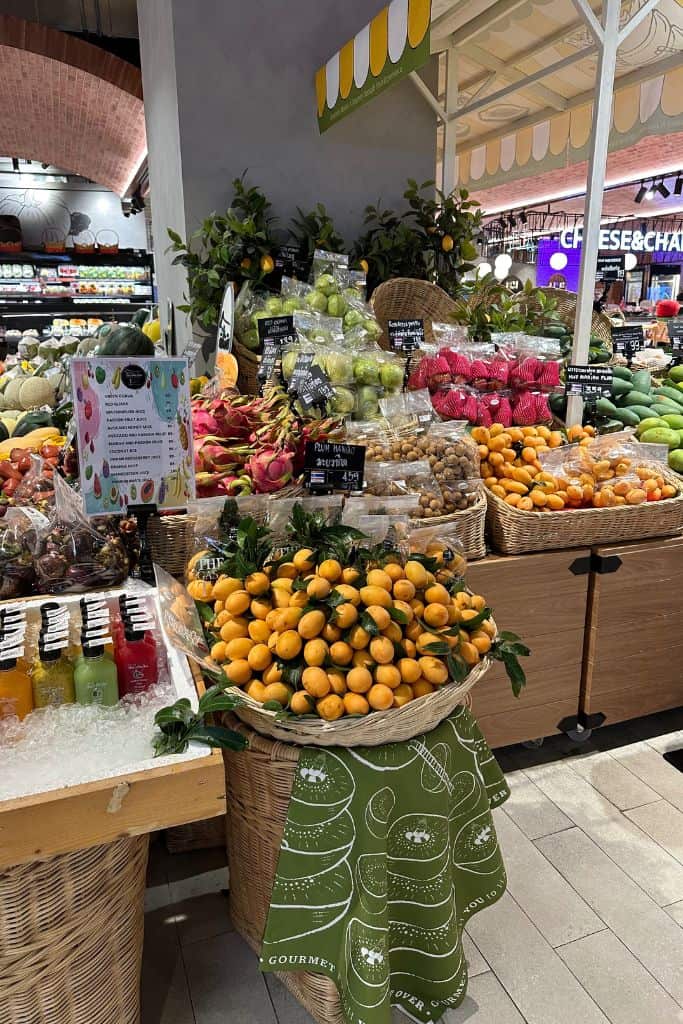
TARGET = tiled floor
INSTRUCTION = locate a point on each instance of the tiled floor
(589, 932)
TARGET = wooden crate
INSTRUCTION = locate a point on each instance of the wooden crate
(541, 599)
(634, 651)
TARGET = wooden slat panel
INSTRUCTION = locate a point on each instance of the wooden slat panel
(37, 827)
(634, 655)
(526, 723)
(539, 598)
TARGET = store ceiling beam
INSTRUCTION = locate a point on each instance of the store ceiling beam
(509, 73)
(480, 23)
(586, 11)
(454, 18)
(527, 80)
(428, 95)
(635, 21)
(634, 77)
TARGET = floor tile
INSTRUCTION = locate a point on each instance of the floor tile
(157, 896)
(201, 917)
(201, 884)
(656, 871)
(226, 983)
(537, 980)
(616, 783)
(486, 1002)
(618, 982)
(647, 930)
(164, 990)
(649, 765)
(287, 1009)
(197, 862)
(669, 741)
(555, 908)
(475, 961)
(531, 810)
(663, 823)
(676, 911)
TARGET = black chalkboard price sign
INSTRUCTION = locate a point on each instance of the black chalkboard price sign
(274, 333)
(588, 381)
(405, 335)
(329, 466)
(628, 340)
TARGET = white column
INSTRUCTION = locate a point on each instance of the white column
(449, 137)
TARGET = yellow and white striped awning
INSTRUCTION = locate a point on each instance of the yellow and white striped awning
(394, 43)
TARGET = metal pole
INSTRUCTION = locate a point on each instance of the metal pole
(602, 120)
(449, 136)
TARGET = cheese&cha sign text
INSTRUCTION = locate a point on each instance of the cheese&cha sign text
(627, 241)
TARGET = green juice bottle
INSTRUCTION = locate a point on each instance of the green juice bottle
(95, 675)
(53, 678)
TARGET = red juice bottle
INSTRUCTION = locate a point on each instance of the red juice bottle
(136, 661)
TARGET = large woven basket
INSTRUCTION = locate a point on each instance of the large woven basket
(248, 363)
(408, 298)
(513, 532)
(196, 835)
(393, 726)
(71, 932)
(470, 524)
(566, 308)
(171, 540)
(258, 783)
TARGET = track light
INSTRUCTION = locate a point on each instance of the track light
(650, 194)
(678, 187)
(512, 221)
(641, 193)
(523, 217)
(663, 190)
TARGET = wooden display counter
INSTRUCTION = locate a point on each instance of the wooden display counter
(634, 651)
(539, 597)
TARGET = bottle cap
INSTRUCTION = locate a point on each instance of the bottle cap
(49, 652)
(7, 661)
(133, 634)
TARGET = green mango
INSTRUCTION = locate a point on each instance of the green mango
(661, 435)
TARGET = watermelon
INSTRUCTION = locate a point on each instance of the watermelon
(127, 340)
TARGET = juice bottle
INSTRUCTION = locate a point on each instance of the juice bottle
(136, 661)
(16, 693)
(95, 675)
(53, 678)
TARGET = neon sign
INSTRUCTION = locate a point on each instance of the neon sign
(627, 241)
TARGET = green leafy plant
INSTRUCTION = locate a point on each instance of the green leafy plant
(433, 239)
(232, 247)
(178, 724)
(250, 551)
(485, 305)
(315, 230)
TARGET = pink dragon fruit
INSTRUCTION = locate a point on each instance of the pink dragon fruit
(524, 411)
(270, 469)
(203, 423)
(436, 371)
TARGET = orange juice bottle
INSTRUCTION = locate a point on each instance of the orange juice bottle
(16, 692)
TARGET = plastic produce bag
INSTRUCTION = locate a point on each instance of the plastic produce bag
(441, 543)
(75, 553)
(19, 531)
(370, 505)
(409, 412)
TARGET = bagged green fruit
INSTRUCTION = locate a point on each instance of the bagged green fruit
(366, 370)
(336, 306)
(367, 403)
(391, 375)
(338, 366)
(342, 402)
(317, 301)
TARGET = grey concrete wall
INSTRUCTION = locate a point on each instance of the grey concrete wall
(246, 99)
(157, 46)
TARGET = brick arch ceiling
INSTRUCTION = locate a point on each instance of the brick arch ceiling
(69, 104)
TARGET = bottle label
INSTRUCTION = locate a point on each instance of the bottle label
(97, 692)
(138, 676)
(8, 707)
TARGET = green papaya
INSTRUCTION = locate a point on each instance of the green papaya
(643, 411)
(670, 394)
(642, 381)
(555, 331)
(620, 387)
(622, 373)
(606, 408)
(637, 398)
(649, 423)
(664, 408)
(628, 417)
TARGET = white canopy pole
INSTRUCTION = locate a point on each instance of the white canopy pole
(449, 136)
(610, 38)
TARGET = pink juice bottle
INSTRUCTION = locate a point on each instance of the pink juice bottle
(136, 661)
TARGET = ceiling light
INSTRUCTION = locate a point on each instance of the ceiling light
(641, 193)
(503, 260)
(663, 190)
(630, 261)
(500, 273)
(523, 217)
(483, 269)
(512, 222)
(558, 260)
(678, 187)
(650, 193)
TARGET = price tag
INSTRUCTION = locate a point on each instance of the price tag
(405, 335)
(274, 333)
(301, 371)
(675, 331)
(609, 268)
(315, 389)
(291, 262)
(328, 466)
(628, 340)
(589, 381)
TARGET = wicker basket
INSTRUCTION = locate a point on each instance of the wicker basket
(514, 532)
(392, 726)
(171, 540)
(197, 835)
(262, 777)
(248, 362)
(471, 526)
(71, 937)
(566, 309)
(411, 299)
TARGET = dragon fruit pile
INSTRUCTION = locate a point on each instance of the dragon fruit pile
(493, 387)
(245, 445)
